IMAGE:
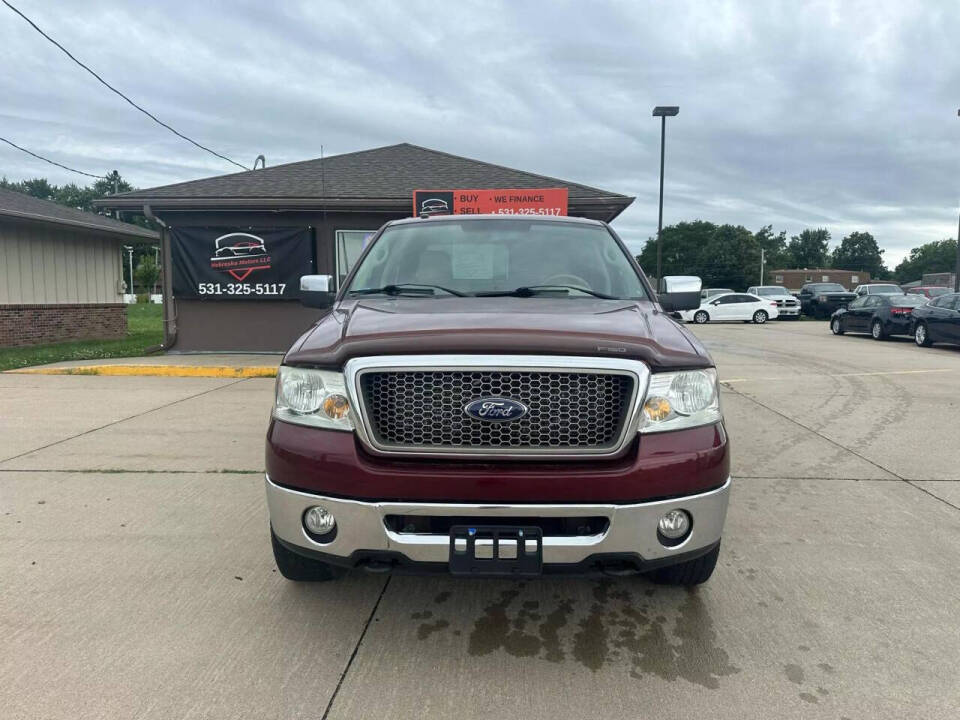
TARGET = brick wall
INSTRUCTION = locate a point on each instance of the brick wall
(36, 324)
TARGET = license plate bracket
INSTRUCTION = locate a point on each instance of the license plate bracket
(496, 550)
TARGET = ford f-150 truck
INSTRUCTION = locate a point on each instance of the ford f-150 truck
(503, 396)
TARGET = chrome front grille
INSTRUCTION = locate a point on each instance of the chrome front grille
(569, 410)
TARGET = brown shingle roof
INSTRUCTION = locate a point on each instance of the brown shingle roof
(18, 205)
(389, 173)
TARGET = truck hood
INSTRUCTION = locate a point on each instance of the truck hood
(637, 330)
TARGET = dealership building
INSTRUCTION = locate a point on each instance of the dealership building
(235, 246)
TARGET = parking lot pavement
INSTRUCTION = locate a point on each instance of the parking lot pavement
(138, 581)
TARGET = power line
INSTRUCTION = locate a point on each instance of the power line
(52, 162)
(113, 89)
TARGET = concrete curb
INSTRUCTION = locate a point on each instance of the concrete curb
(204, 371)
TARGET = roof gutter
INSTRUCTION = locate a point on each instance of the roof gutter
(168, 309)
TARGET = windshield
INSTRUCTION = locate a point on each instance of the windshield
(885, 290)
(773, 290)
(473, 257)
(937, 292)
(828, 287)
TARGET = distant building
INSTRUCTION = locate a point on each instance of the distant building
(60, 272)
(943, 279)
(793, 280)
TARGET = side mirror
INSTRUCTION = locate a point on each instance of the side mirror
(316, 291)
(679, 292)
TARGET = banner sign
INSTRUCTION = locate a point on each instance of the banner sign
(525, 201)
(255, 263)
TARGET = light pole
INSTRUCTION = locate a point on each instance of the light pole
(662, 112)
(956, 267)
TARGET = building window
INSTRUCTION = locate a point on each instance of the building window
(350, 244)
(808, 278)
(824, 278)
(778, 278)
(855, 279)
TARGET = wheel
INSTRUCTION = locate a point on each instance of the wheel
(760, 317)
(921, 336)
(692, 572)
(876, 329)
(836, 326)
(701, 317)
(302, 569)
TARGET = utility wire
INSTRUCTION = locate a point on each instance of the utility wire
(52, 162)
(113, 89)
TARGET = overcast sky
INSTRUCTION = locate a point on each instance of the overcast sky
(795, 114)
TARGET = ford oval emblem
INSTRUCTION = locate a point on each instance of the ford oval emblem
(495, 409)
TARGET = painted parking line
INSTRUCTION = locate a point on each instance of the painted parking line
(841, 375)
(203, 371)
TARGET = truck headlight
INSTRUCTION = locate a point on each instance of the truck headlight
(677, 400)
(312, 397)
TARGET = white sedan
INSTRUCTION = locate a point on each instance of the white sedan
(733, 306)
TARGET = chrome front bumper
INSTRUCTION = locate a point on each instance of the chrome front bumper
(632, 528)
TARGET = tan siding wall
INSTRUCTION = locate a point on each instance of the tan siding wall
(45, 264)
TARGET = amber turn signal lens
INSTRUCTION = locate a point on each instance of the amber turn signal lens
(336, 407)
(657, 409)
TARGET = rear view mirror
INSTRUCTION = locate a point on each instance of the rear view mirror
(679, 292)
(316, 291)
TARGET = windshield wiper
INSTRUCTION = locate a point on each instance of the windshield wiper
(401, 288)
(532, 290)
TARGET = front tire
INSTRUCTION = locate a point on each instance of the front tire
(760, 317)
(302, 569)
(692, 572)
(701, 317)
(921, 336)
(876, 329)
(836, 326)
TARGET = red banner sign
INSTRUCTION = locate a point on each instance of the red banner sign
(509, 201)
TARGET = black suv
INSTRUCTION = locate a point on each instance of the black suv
(819, 300)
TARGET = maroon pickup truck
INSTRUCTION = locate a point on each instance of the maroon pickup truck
(498, 396)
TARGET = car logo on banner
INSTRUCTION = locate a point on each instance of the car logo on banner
(239, 254)
(495, 409)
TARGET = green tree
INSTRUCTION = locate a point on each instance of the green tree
(683, 249)
(859, 251)
(932, 257)
(774, 247)
(721, 255)
(809, 249)
(146, 274)
(732, 258)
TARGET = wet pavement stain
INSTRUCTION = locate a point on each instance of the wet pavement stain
(442, 597)
(427, 629)
(493, 631)
(810, 698)
(794, 673)
(549, 631)
(618, 629)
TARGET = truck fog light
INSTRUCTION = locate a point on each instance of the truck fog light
(336, 406)
(674, 526)
(318, 520)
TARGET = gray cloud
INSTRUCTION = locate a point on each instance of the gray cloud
(796, 114)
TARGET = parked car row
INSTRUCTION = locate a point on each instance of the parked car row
(912, 314)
